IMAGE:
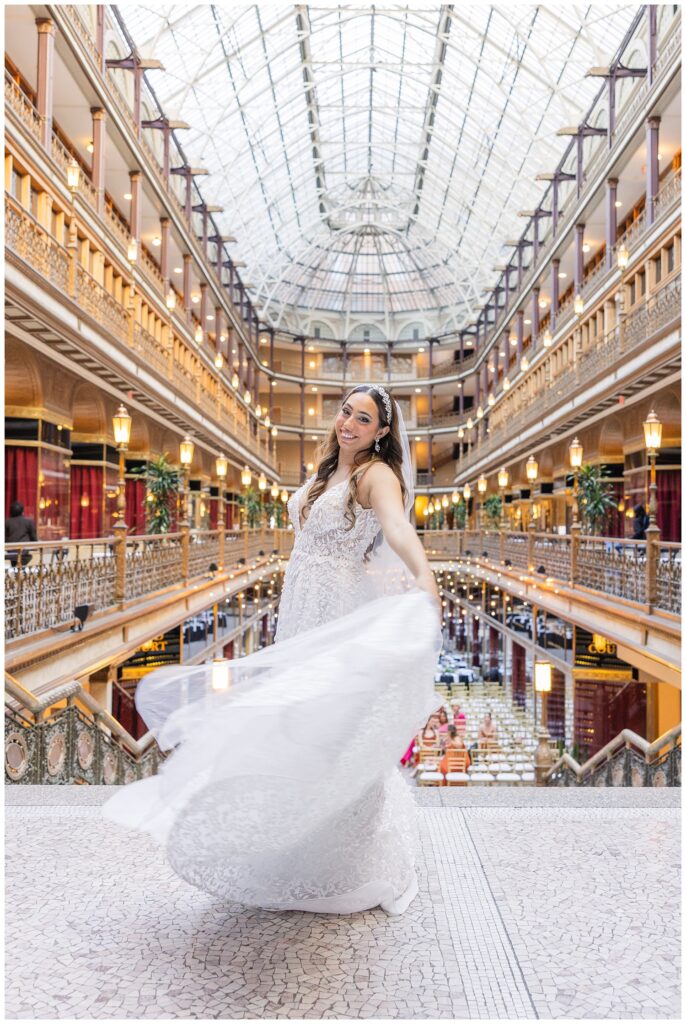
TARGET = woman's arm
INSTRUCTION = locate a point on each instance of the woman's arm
(385, 497)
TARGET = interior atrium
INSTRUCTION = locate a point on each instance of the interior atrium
(220, 220)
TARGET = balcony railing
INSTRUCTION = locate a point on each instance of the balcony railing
(175, 360)
(46, 581)
(646, 574)
(525, 403)
(627, 760)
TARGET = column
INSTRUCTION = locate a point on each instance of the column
(203, 309)
(389, 350)
(164, 251)
(535, 316)
(100, 35)
(461, 396)
(555, 293)
(506, 355)
(187, 260)
(218, 328)
(507, 286)
(578, 257)
(520, 268)
(431, 423)
(610, 220)
(652, 166)
(520, 336)
(271, 365)
(303, 471)
(99, 119)
(135, 218)
(45, 78)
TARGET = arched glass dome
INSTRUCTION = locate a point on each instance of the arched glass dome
(374, 160)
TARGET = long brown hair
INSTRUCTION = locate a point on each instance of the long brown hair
(390, 452)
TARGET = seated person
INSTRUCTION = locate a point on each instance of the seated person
(458, 715)
(488, 734)
(454, 742)
(428, 737)
(443, 726)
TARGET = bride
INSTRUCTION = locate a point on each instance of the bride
(283, 791)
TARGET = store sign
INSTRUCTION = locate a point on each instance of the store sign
(164, 649)
(593, 650)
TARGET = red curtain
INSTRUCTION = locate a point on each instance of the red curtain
(493, 647)
(135, 506)
(669, 504)
(86, 483)
(518, 675)
(555, 705)
(214, 512)
(476, 643)
(21, 479)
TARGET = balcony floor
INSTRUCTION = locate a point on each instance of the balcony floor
(532, 904)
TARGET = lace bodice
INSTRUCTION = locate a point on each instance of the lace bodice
(326, 574)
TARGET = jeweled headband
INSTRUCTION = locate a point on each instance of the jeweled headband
(386, 399)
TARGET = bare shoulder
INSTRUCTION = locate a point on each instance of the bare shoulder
(378, 475)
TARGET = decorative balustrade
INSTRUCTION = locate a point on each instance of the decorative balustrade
(553, 553)
(153, 562)
(27, 239)
(31, 243)
(79, 742)
(46, 581)
(21, 105)
(627, 760)
(516, 549)
(203, 552)
(668, 577)
(516, 411)
(615, 567)
(103, 307)
(151, 349)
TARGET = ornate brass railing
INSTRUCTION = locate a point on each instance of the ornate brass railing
(79, 742)
(175, 360)
(46, 581)
(645, 573)
(518, 410)
(627, 760)
(21, 105)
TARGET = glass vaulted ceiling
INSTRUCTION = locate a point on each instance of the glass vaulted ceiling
(373, 160)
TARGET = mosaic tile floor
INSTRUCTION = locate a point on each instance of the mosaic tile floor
(532, 905)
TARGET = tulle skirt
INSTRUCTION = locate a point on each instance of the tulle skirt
(283, 792)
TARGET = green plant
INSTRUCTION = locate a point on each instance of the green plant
(278, 510)
(251, 504)
(459, 516)
(162, 487)
(493, 507)
(595, 498)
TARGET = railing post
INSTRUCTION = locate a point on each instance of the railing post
(72, 245)
(120, 562)
(501, 549)
(574, 553)
(652, 555)
(531, 528)
(185, 530)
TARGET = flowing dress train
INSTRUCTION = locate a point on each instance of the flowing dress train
(283, 792)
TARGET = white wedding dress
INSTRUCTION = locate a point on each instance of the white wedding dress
(283, 792)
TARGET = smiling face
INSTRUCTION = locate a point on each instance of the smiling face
(357, 424)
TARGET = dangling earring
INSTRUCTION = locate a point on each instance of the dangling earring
(377, 446)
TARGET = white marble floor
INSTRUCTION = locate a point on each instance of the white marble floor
(533, 904)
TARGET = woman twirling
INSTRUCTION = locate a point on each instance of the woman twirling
(325, 823)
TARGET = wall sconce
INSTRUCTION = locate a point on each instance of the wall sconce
(274, 432)
(578, 304)
(246, 476)
(170, 300)
(199, 334)
(73, 176)
(186, 449)
(622, 257)
(219, 360)
(85, 501)
(221, 466)
(262, 482)
(132, 250)
(531, 469)
(284, 496)
(234, 381)
(543, 676)
(547, 339)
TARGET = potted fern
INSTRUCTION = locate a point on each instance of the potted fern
(595, 498)
(162, 489)
(492, 508)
